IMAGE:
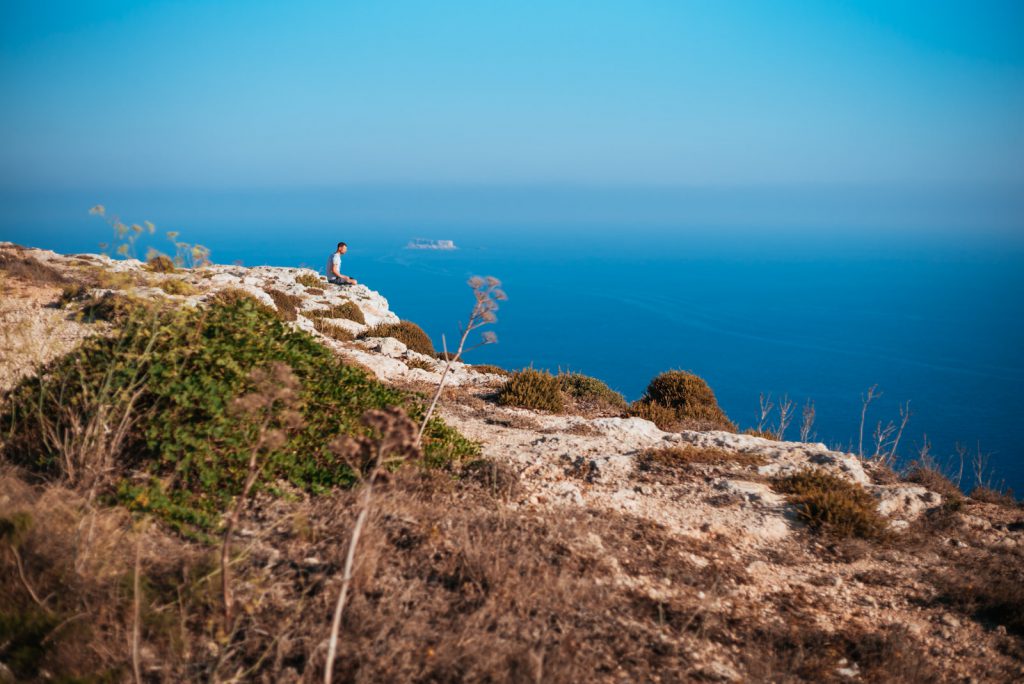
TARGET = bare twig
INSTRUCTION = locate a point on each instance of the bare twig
(24, 579)
(904, 419)
(866, 400)
(397, 438)
(808, 421)
(137, 613)
(488, 293)
(766, 404)
(785, 416)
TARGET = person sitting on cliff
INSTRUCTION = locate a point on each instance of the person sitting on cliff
(334, 267)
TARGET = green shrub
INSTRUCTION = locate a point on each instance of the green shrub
(231, 296)
(692, 400)
(406, 332)
(590, 390)
(662, 416)
(173, 286)
(308, 280)
(832, 505)
(532, 389)
(187, 452)
(110, 306)
(347, 310)
(287, 305)
(160, 263)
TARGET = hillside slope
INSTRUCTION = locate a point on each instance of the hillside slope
(578, 547)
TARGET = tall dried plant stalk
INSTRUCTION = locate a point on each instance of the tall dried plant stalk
(487, 292)
(865, 401)
(272, 400)
(786, 409)
(368, 459)
(765, 401)
(808, 421)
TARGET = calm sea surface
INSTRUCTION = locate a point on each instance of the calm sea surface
(936, 320)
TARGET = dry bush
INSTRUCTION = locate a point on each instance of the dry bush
(986, 494)
(662, 416)
(532, 389)
(335, 332)
(928, 475)
(678, 460)
(174, 286)
(314, 291)
(406, 332)
(421, 364)
(110, 306)
(105, 279)
(833, 505)
(764, 434)
(287, 305)
(486, 368)
(590, 395)
(229, 296)
(30, 270)
(692, 400)
(309, 280)
(347, 310)
(160, 263)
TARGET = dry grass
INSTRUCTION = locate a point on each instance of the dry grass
(335, 332)
(672, 464)
(832, 505)
(346, 310)
(406, 332)
(175, 286)
(287, 305)
(309, 280)
(30, 270)
(421, 364)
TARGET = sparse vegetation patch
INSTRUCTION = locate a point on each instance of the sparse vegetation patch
(831, 504)
(406, 332)
(532, 389)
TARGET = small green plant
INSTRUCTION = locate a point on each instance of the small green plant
(159, 263)
(174, 286)
(309, 280)
(406, 332)
(690, 398)
(532, 389)
(347, 310)
(287, 304)
(832, 505)
(592, 391)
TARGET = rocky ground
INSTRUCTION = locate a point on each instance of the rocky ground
(723, 513)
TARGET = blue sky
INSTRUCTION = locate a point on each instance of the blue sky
(638, 93)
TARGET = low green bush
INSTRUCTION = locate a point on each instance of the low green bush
(592, 391)
(406, 332)
(831, 504)
(532, 389)
(186, 454)
(692, 400)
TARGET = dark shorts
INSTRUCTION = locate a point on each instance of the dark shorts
(337, 281)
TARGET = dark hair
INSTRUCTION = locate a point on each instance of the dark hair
(342, 244)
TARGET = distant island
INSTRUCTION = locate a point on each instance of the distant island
(421, 243)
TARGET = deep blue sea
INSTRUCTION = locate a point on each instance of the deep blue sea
(933, 317)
